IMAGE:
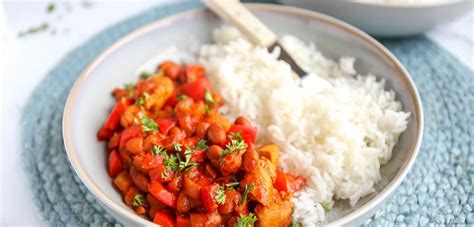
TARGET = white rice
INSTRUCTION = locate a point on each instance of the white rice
(337, 138)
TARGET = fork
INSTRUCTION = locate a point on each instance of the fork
(258, 33)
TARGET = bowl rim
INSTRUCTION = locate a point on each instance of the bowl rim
(402, 5)
(354, 215)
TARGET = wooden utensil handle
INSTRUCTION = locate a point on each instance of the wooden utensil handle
(236, 14)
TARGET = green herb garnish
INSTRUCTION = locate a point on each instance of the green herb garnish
(34, 30)
(207, 109)
(325, 206)
(140, 101)
(128, 86)
(294, 224)
(201, 145)
(50, 8)
(164, 175)
(144, 75)
(181, 97)
(137, 200)
(248, 187)
(220, 195)
(177, 147)
(148, 125)
(182, 165)
(157, 150)
(231, 185)
(146, 95)
(208, 97)
(246, 221)
(236, 144)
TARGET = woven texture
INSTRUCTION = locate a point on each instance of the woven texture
(438, 190)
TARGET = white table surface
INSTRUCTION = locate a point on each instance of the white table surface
(26, 61)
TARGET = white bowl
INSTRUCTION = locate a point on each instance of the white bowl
(383, 19)
(90, 99)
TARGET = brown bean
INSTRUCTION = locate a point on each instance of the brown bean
(135, 145)
(201, 129)
(183, 204)
(214, 152)
(216, 134)
(242, 121)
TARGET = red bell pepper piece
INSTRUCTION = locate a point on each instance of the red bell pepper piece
(114, 163)
(198, 156)
(129, 133)
(182, 221)
(207, 194)
(164, 125)
(248, 133)
(151, 161)
(113, 120)
(172, 100)
(287, 182)
(161, 174)
(104, 134)
(164, 219)
(192, 73)
(161, 194)
(196, 89)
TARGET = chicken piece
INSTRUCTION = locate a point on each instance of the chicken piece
(270, 152)
(277, 214)
(262, 179)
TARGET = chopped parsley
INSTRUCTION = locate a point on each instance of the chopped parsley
(140, 101)
(50, 8)
(220, 195)
(34, 30)
(145, 75)
(231, 185)
(182, 165)
(236, 144)
(157, 150)
(128, 86)
(208, 97)
(325, 206)
(146, 95)
(201, 145)
(207, 109)
(164, 175)
(177, 147)
(294, 224)
(246, 221)
(248, 187)
(148, 125)
(181, 97)
(137, 200)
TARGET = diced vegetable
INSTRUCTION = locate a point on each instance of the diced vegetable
(151, 161)
(170, 69)
(248, 132)
(162, 195)
(288, 183)
(129, 133)
(271, 152)
(164, 125)
(161, 174)
(114, 163)
(123, 181)
(113, 120)
(164, 219)
(207, 197)
(196, 89)
(183, 221)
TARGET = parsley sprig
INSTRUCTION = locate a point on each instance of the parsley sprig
(201, 145)
(137, 200)
(148, 125)
(236, 144)
(246, 221)
(220, 195)
(208, 97)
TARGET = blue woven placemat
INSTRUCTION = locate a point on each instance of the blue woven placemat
(438, 190)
